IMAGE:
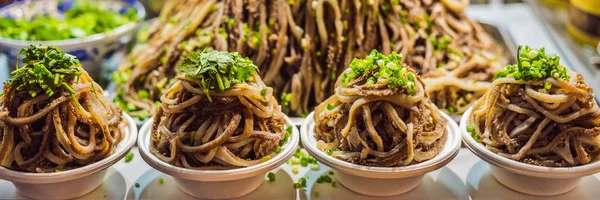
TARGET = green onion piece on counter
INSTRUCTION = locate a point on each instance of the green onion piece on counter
(315, 167)
(324, 179)
(295, 161)
(300, 184)
(304, 162)
(161, 181)
(137, 185)
(271, 176)
(129, 157)
(295, 170)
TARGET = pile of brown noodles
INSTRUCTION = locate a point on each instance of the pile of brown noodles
(202, 125)
(54, 117)
(539, 113)
(380, 116)
(302, 46)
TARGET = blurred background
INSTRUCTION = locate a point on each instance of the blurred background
(569, 28)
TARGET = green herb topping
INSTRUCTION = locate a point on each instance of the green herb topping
(83, 19)
(45, 70)
(330, 106)
(471, 130)
(286, 137)
(389, 71)
(217, 70)
(534, 64)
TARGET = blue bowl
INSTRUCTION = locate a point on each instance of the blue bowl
(90, 50)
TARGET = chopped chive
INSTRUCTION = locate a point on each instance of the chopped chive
(330, 106)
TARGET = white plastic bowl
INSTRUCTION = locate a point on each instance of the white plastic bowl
(217, 184)
(381, 181)
(70, 183)
(526, 178)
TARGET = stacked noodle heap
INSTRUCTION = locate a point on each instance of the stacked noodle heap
(219, 114)
(380, 115)
(302, 46)
(539, 113)
(54, 117)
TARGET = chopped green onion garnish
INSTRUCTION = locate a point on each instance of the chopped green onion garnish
(451, 109)
(300, 184)
(547, 85)
(263, 92)
(315, 167)
(143, 94)
(389, 68)
(330, 106)
(470, 128)
(277, 149)
(534, 64)
(329, 151)
(216, 70)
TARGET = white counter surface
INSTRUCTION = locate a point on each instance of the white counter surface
(466, 177)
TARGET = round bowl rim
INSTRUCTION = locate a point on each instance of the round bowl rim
(518, 167)
(449, 151)
(215, 175)
(56, 177)
(118, 31)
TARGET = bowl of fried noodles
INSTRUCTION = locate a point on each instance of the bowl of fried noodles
(219, 128)
(379, 130)
(538, 126)
(58, 133)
